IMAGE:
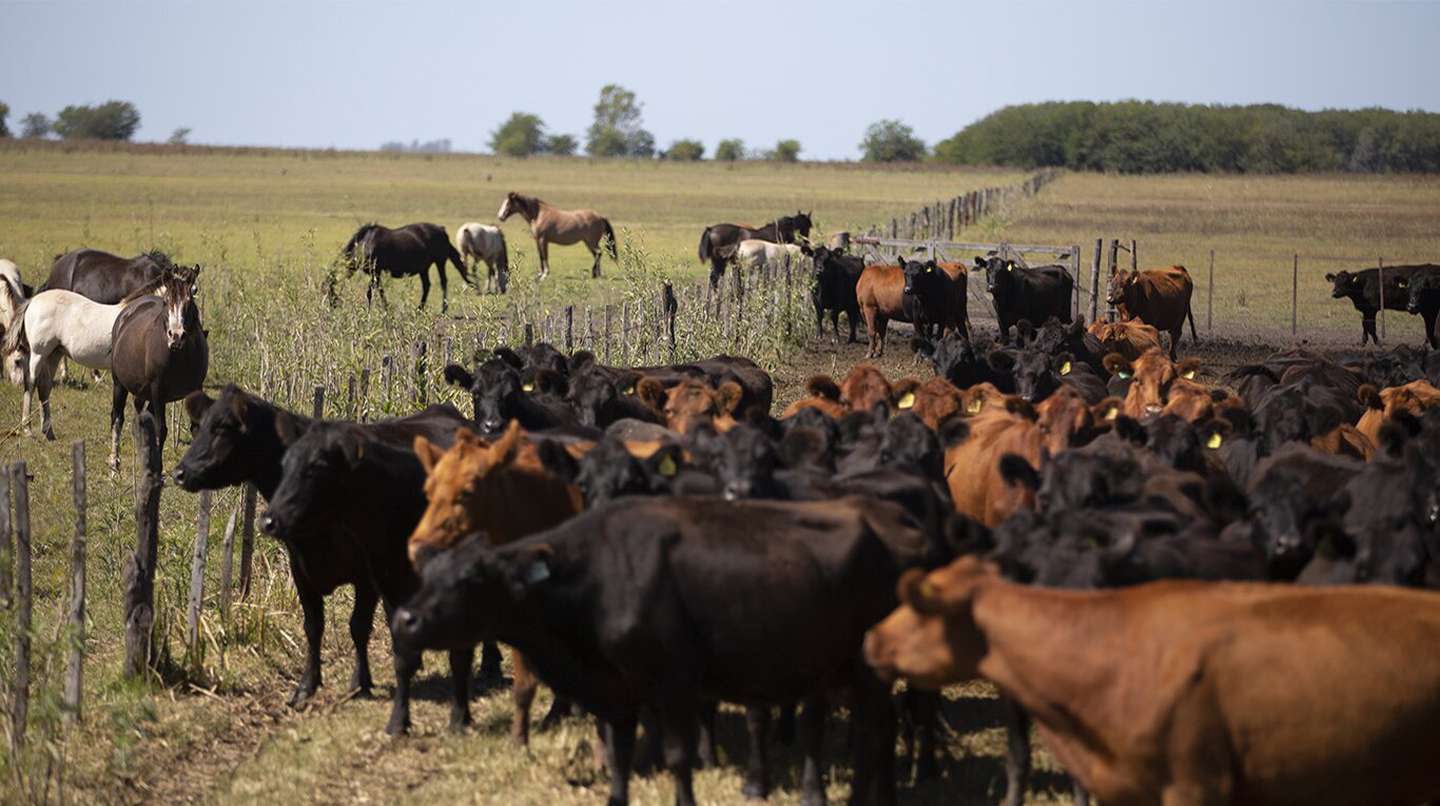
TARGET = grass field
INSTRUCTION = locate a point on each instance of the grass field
(267, 226)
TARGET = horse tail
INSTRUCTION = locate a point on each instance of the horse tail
(705, 245)
(610, 240)
(503, 260)
(15, 338)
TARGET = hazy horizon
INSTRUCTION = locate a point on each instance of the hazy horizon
(356, 74)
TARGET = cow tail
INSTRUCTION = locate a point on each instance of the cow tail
(1190, 314)
(610, 240)
(705, 245)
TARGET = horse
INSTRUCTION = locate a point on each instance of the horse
(102, 277)
(409, 250)
(478, 242)
(756, 255)
(159, 353)
(13, 293)
(719, 241)
(550, 224)
(56, 323)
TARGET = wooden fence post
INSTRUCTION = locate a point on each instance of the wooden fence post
(21, 692)
(669, 306)
(1380, 278)
(419, 381)
(317, 407)
(529, 334)
(75, 660)
(1075, 273)
(789, 293)
(227, 561)
(1210, 297)
(1110, 277)
(590, 329)
(1295, 294)
(569, 329)
(197, 573)
(247, 539)
(387, 371)
(7, 547)
(139, 574)
(1095, 279)
(1134, 256)
(362, 411)
(350, 410)
(607, 333)
(625, 332)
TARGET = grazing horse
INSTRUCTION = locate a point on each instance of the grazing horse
(57, 323)
(481, 242)
(13, 293)
(409, 250)
(103, 277)
(158, 352)
(550, 224)
(719, 241)
(756, 255)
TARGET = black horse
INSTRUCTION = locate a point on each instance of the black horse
(718, 241)
(402, 252)
(103, 277)
(158, 352)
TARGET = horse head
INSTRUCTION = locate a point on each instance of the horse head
(360, 239)
(516, 203)
(178, 287)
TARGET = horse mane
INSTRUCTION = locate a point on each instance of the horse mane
(148, 289)
(15, 336)
(531, 204)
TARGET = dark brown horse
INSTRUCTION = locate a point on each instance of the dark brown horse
(718, 241)
(403, 252)
(549, 224)
(158, 352)
(103, 277)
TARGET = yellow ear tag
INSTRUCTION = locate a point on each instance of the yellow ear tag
(1112, 412)
(1065, 368)
(1188, 375)
(529, 387)
(1214, 441)
(974, 406)
(1010, 267)
(667, 466)
(630, 390)
(1123, 375)
(906, 400)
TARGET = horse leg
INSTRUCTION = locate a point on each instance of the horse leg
(32, 370)
(595, 252)
(118, 397)
(44, 382)
(444, 287)
(425, 287)
(542, 246)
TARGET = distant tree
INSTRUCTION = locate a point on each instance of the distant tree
(112, 120)
(4, 113)
(891, 141)
(520, 136)
(730, 150)
(35, 125)
(441, 146)
(616, 131)
(180, 136)
(560, 145)
(685, 151)
(784, 151)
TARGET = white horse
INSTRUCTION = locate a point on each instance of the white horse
(12, 296)
(756, 255)
(477, 242)
(55, 324)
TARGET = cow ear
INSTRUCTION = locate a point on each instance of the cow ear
(353, 447)
(922, 346)
(1214, 432)
(651, 392)
(580, 360)
(510, 357)
(903, 392)
(979, 263)
(1020, 406)
(953, 431)
(1187, 368)
(528, 570)
(456, 375)
(1001, 360)
(666, 461)
(730, 394)
(919, 593)
(1107, 409)
(504, 450)
(1064, 363)
(1017, 471)
(427, 453)
(557, 461)
(1330, 278)
(1367, 394)
(823, 386)
(196, 404)
(1116, 365)
(287, 426)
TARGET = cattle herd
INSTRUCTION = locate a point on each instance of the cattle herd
(1198, 592)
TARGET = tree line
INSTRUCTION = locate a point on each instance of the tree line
(1149, 137)
(112, 120)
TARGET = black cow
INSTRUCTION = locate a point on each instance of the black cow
(1036, 293)
(500, 394)
(835, 277)
(237, 438)
(665, 602)
(1301, 410)
(936, 296)
(603, 398)
(1290, 494)
(1362, 288)
(338, 479)
(964, 362)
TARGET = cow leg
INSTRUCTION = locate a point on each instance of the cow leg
(118, 396)
(706, 749)
(1429, 316)
(1175, 340)
(923, 708)
(618, 734)
(490, 674)
(678, 720)
(852, 316)
(424, 286)
(406, 665)
(462, 662)
(786, 731)
(874, 743)
(312, 604)
(1078, 793)
(559, 709)
(812, 738)
(1017, 752)
(757, 765)
(362, 624)
(1367, 329)
(881, 323)
(523, 692)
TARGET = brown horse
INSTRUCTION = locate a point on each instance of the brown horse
(564, 227)
(158, 352)
(719, 241)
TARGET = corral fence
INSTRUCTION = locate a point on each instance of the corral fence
(942, 220)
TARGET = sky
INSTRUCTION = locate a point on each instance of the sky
(323, 73)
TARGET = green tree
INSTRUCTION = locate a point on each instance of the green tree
(112, 120)
(685, 151)
(520, 136)
(617, 130)
(730, 150)
(560, 145)
(784, 151)
(35, 125)
(4, 113)
(891, 141)
(180, 136)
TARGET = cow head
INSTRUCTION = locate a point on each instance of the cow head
(613, 469)
(745, 463)
(692, 403)
(866, 386)
(932, 638)
(1120, 282)
(997, 272)
(234, 437)
(316, 472)
(1419, 288)
(1345, 284)
(593, 393)
(957, 359)
(919, 277)
(1150, 378)
(496, 389)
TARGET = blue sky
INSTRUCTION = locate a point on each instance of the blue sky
(354, 74)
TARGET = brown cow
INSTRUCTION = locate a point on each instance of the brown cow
(1412, 398)
(862, 390)
(499, 490)
(1151, 377)
(1193, 692)
(691, 402)
(1158, 297)
(822, 394)
(1130, 339)
(1345, 440)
